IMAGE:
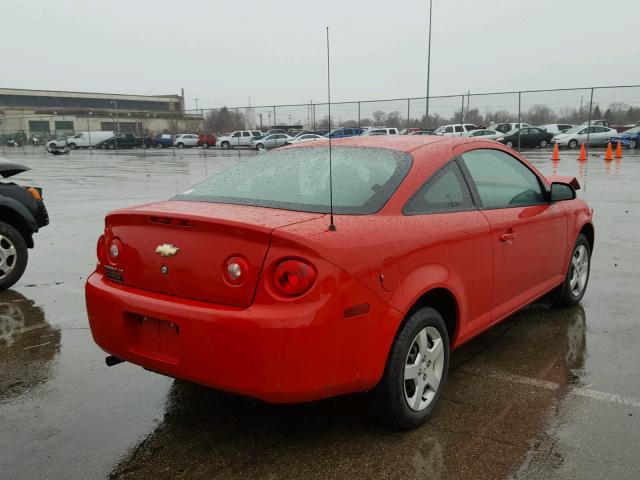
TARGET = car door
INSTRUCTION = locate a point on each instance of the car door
(245, 139)
(445, 230)
(529, 234)
(602, 134)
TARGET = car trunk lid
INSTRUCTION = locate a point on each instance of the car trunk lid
(180, 248)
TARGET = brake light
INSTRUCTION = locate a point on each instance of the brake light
(235, 270)
(293, 277)
(100, 249)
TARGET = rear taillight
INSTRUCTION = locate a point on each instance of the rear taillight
(293, 277)
(235, 270)
(115, 250)
(101, 249)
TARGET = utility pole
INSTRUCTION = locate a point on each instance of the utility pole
(426, 118)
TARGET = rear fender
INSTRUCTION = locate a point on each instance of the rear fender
(426, 278)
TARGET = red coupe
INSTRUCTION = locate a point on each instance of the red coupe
(240, 284)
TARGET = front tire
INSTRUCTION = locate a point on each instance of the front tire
(73, 146)
(577, 278)
(633, 143)
(416, 370)
(180, 145)
(543, 144)
(509, 144)
(225, 145)
(13, 255)
(573, 143)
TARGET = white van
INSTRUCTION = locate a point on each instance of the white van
(81, 139)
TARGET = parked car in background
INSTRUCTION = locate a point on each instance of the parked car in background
(572, 138)
(259, 297)
(343, 132)
(423, 132)
(22, 214)
(410, 130)
(206, 140)
(629, 138)
(120, 140)
(58, 143)
(556, 128)
(164, 140)
(485, 134)
(185, 140)
(506, 127)
(270, 141)
(305, 137)
(455, 129)
(527, 137)
(87, 139)
(240, 138)
(381, 131)
(601, 122)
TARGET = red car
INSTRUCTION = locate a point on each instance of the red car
(206, 140)
(240, 283)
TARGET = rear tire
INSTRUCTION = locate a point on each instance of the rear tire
(543, 144)
(73, 146)
(575, 283)
(13, 255)
(573, 143)
(225, 145)
(180, 145)
(633, 143)
(509, 144)
(410, 387)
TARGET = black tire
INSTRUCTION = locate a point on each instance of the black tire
(633, 144)
(389, 396)
(260, 146)
(205, 145)
(180, 145)
(573, 143)
(509, 144)
(225, 145)
(566, 295)
(73, 146)
(543, 143)
(19, 261)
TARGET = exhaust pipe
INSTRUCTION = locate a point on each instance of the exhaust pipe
(111, 361)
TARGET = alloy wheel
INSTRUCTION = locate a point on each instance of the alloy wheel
(423, 370)
(8, 256)
(579, 270)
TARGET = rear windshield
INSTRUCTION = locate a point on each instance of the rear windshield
(298, 179)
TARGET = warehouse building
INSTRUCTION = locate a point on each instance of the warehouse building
(47, 114)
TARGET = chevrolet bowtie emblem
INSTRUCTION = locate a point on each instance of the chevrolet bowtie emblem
(167, 250)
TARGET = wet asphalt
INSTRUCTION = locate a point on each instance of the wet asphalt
(548, 393)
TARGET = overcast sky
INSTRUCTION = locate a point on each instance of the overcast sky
(224, 52)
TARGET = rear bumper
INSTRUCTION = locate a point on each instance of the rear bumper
(278, 353)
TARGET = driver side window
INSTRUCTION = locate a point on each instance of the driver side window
(502, 181)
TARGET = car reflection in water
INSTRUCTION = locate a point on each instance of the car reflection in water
(493, 414)
(28, 344)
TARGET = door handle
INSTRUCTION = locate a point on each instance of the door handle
(508, 235)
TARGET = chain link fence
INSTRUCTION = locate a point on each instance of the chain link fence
(620, 105)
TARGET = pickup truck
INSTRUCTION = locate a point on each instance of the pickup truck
(120, 140)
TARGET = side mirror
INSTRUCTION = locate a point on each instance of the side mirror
(562, 191)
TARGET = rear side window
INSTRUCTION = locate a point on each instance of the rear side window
(458, 128)
(446, 191)
(502, 181)
(298, 179)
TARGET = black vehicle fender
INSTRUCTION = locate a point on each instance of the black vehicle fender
(17, 215)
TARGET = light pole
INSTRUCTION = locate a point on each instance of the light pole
(115, 106)
(426, 118)
(89, 132)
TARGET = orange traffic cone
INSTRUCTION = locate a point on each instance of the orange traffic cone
(609, 154)
(583, 153)
(619, 150)
(556, 153)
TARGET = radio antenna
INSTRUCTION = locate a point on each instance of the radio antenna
(332, 225)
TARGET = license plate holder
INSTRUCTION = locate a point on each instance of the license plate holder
(154, 338)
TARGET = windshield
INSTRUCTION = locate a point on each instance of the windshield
(574, 130)
(298, 179)
(631, 131)
(438, 130)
